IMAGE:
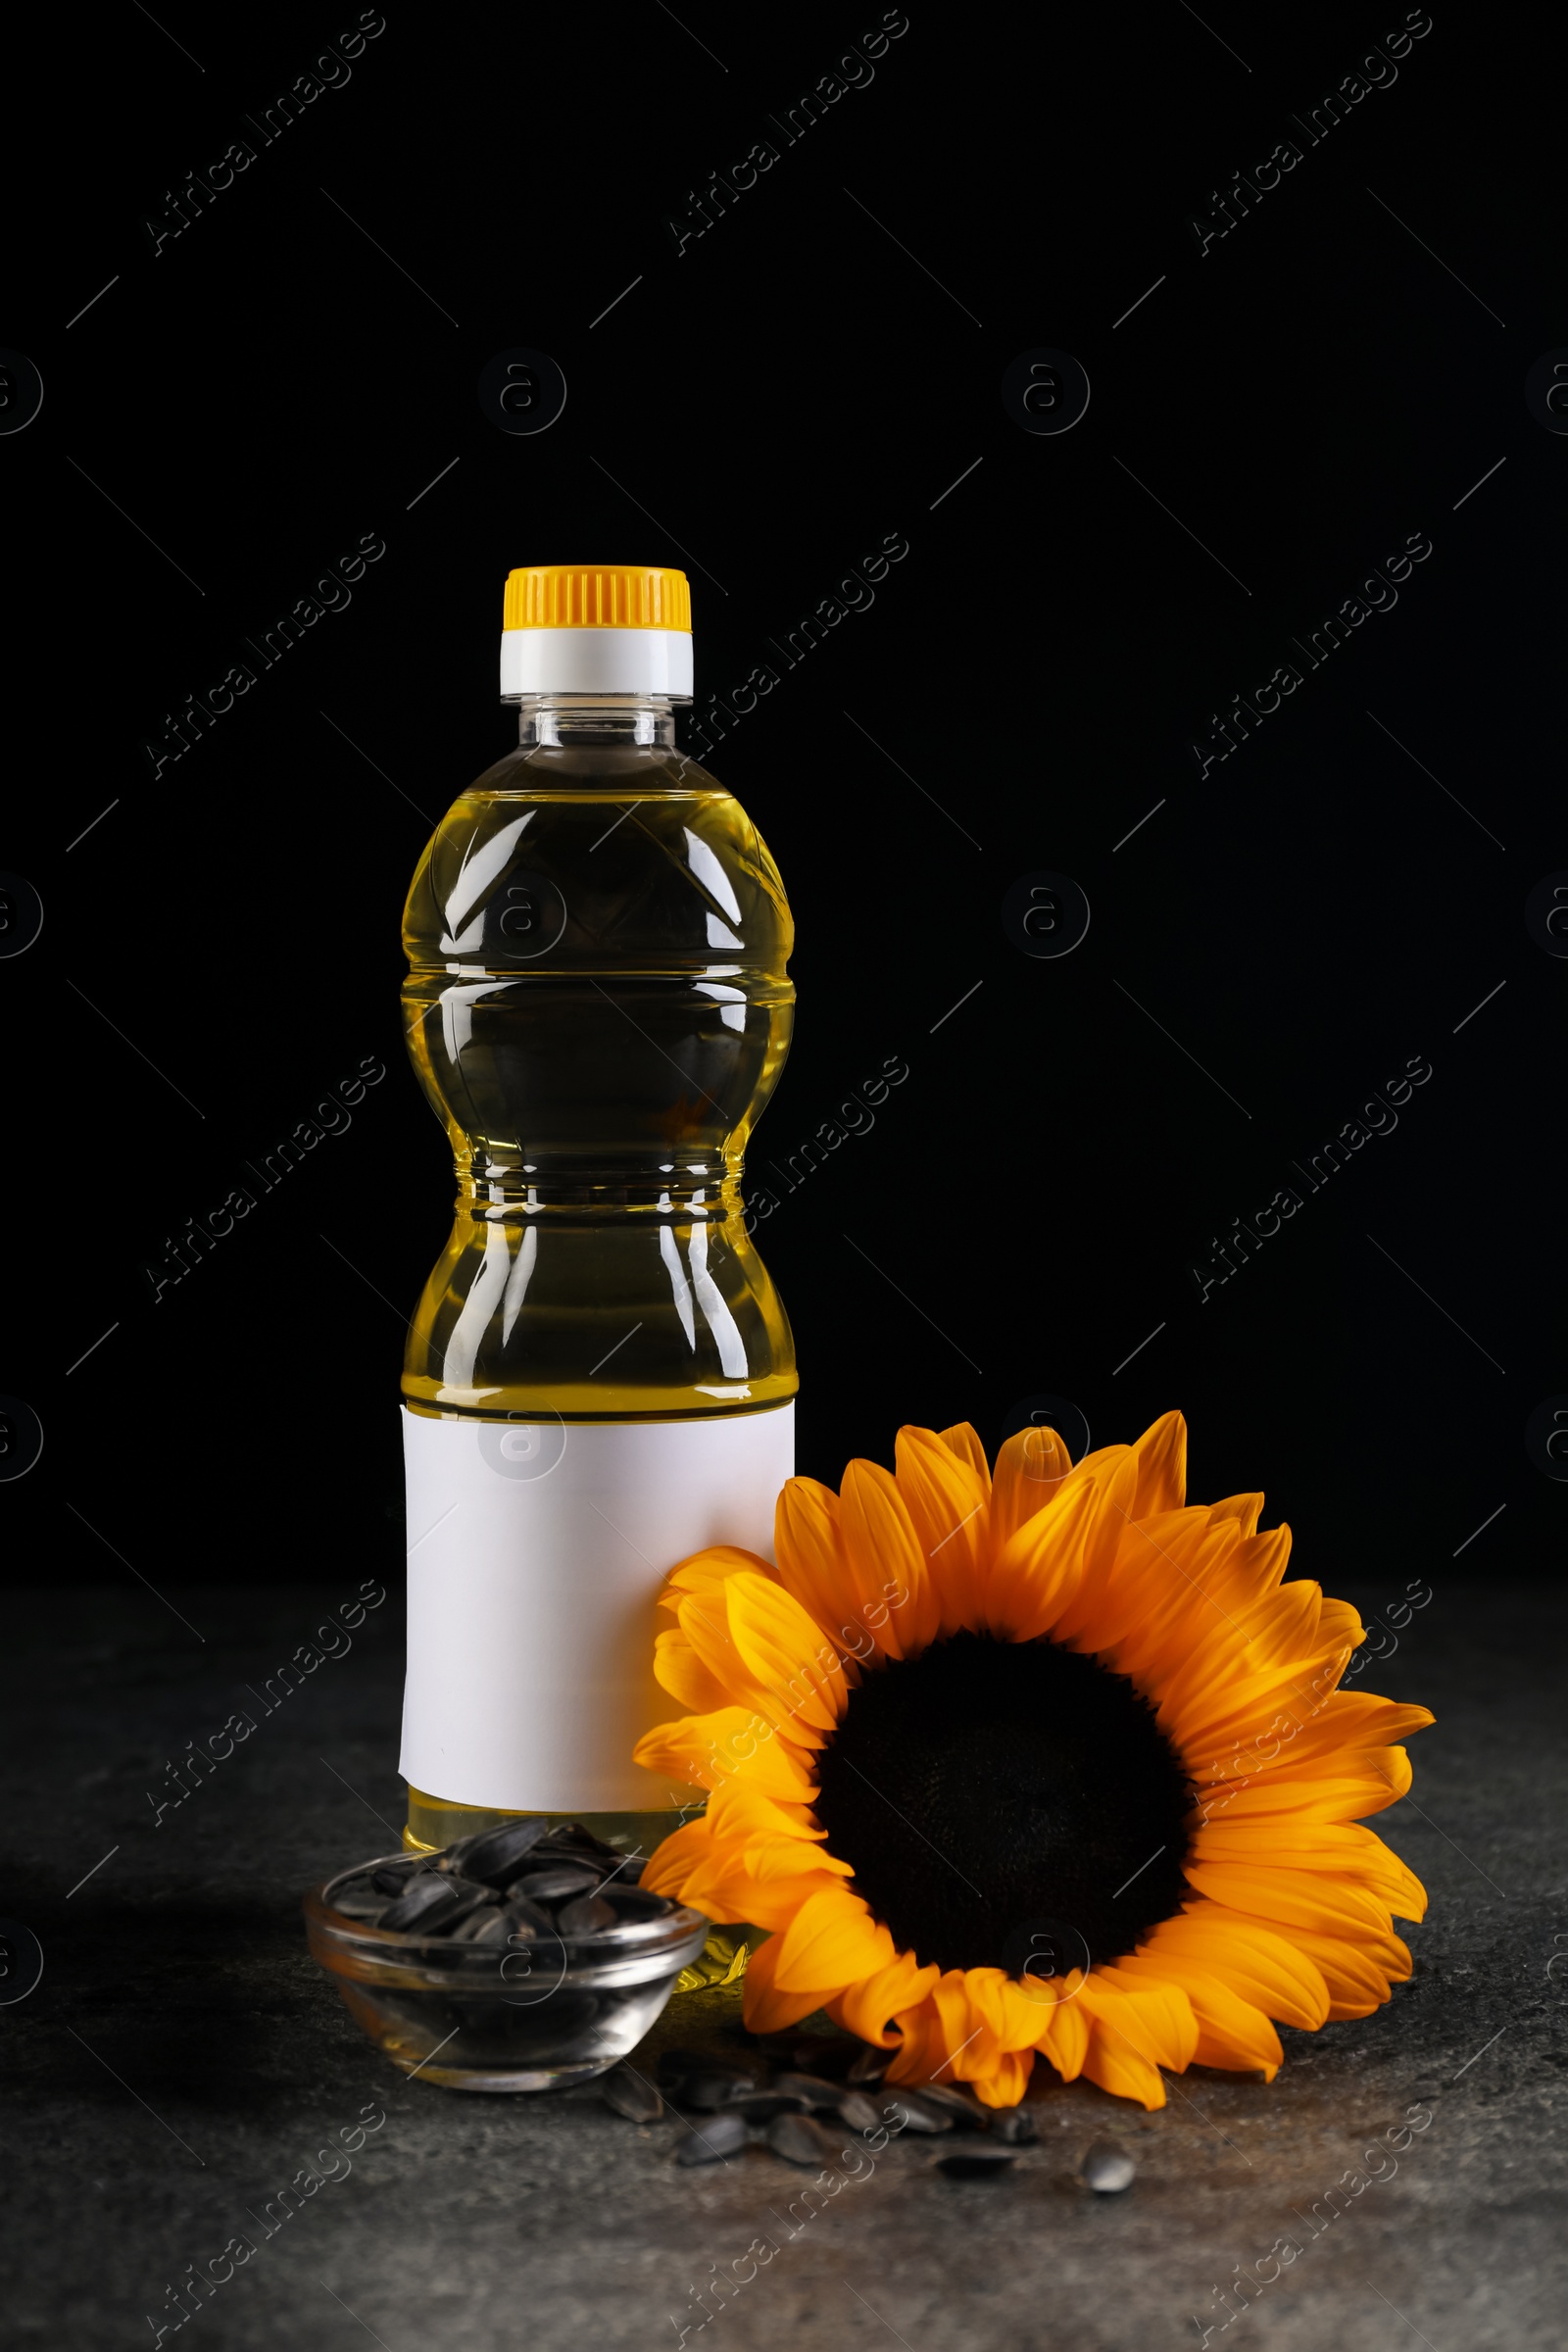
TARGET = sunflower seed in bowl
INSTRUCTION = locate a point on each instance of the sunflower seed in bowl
(585, 1915)
(511, 2002)
(433, 1902)
(634, 1902)
(557, 1882)
(498, 1855)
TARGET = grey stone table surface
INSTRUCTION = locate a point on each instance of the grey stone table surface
(182, 2057)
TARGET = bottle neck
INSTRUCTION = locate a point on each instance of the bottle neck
(569, 721)
(703, 1186)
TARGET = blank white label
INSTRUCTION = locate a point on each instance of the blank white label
(537, 1551)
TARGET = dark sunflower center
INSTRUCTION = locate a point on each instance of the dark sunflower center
(1006, 1804)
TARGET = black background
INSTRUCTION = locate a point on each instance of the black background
(222, 945)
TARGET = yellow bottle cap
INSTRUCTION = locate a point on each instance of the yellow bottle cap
(597, 629)
(597, 595)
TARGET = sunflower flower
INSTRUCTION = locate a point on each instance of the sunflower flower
(1051, 1763)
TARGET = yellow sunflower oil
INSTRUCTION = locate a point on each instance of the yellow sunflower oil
(599, 1377)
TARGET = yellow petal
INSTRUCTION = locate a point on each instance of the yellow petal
(1303, 1842)
(1358, 1973)
(1111, 2061)
(832, 1941)
(731, 1742)
(1244, 1576)
(786, 1656)
(1154, 2018)
(1005, 2080)
(1161, 1456)
(1293, 1898)
(921, 2045)
(1087, 1619)
(964, 1442)
(704, 1622)
(1030, 1471)
(811, 1552)
(1244, 1509)
(872, 2006)
(946, 1506)
(741, 1809)
(861, 1606)
(1341, 1623)
(1016, 2010)
(1370, 1783)
(1274, 1706)
(1036, 1576)
(1286, 1624)
(730, 1887)
(1158, 1621)
(1346, 1730)
(707, 1571)
(885, 1558)
(767, 2006)
(1064, 2033)
(1231, 2032)
(683, 1674)
(673, 1862)
(946, 2040)
(963, 2025)
(1263, 1965)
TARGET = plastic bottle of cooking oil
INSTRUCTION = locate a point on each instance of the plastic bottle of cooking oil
(599, 1379)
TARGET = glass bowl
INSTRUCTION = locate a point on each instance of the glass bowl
(538, 2015)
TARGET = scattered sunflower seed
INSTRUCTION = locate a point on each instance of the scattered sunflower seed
(860, 2112)
(871, 2066)
(966, 2112)
(713, 2088)
(809, 2090)
(802, 2139)
(675, 2065)
(714, 2138)
(760, 2106)
(976, 2163)
(631, 2095)
(907, 2111)
(1106, 2169)
(1015, 2126)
